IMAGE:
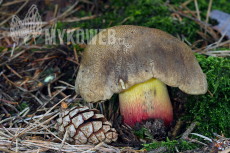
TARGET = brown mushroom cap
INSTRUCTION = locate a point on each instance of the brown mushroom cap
(139, 54)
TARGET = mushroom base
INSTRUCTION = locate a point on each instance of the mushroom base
(146, 100)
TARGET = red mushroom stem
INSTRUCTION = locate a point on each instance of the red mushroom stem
(146, 100)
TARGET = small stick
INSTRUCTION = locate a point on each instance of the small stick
(3, 22)
(125, 20)
(195, 43)
(55, 11)
(177, 129)
(96, 105)
(75, 19)
(158, 150)
(26, 110)
(5, 134)
(64, 14)
(13, 71)
(7, 113)
(198, 13)
(72, 60)
(188, 131)
(75, 71)
(54, 96)
(62, 143)
(8, 131)
(189, 10)
(206, 37)
(75, 54)
(66, 83)
(103, 104)
(220, 52)
(41, 124)
(194, 140)
(197, 10)
(40, 102)
(9, 102)
(110, 109)
(10, 59)
(221, 44)
(222, 37)
(186, 40)
(76, 9)
(7, 119)
(45, 58)
(24, 82)
(93, 149)
(32, 69)
(13, 2)
(194, 19)
(101, 108)
(61, 87)
(225, 151)
(6, 150)
(17, 145)
(11, 106)
(12, 52)
(223, 26)
(49, 91)
(207, 16)
(9, 80)
(63, 94)
(210, 93)
(186, 3)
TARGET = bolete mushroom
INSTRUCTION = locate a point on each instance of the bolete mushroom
(137, 65)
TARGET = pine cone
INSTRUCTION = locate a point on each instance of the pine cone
(85, 126)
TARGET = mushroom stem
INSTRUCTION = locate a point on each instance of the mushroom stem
(146, 100)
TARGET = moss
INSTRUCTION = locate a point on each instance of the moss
(148, 13)
(180, 144)
(213, 113)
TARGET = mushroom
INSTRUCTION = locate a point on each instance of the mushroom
(138, 62)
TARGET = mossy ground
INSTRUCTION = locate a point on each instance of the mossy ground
(211, 112)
